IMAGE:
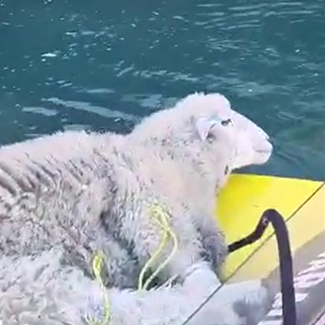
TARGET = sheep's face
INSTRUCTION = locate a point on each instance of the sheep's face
(221, 129)
(251, 143)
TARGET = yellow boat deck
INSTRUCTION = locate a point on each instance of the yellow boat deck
(241, 204)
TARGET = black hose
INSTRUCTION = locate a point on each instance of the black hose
(272, 216)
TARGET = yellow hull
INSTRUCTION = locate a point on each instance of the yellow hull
(241, 204)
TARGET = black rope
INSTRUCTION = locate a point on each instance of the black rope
(253, 237)
(272, 216)
(289, 312)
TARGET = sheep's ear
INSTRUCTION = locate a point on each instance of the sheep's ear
(204, 126)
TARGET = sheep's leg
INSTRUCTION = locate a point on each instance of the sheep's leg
(215, 248)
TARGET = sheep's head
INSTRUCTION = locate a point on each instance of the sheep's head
(205, 127)
(216, 122)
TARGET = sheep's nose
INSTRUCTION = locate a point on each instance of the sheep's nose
(270, 139)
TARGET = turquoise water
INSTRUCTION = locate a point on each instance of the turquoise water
(102, 65)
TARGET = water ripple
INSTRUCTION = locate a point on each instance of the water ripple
(104, 65)
(87, 107)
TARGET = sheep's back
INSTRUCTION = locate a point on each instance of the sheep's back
(50, 191)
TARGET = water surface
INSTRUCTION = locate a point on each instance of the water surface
(102, 65)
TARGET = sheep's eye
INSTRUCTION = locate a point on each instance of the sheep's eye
(211, 137)
(226, 122)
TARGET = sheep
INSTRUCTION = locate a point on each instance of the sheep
(181, 157)
(47, 291)
(90, 191)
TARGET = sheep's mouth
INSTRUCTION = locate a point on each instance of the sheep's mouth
(266, 148)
